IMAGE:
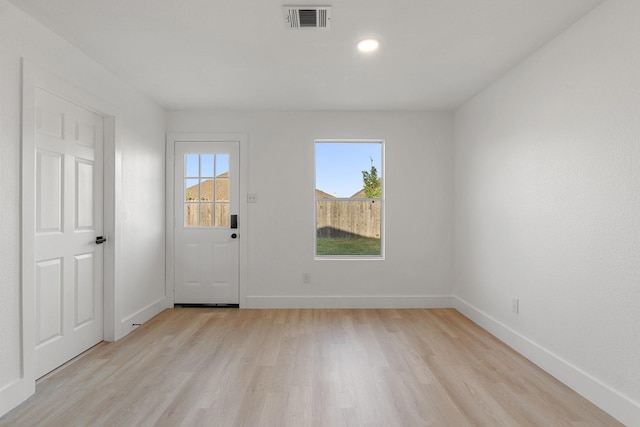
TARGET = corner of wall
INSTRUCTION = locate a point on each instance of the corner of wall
(130, 323)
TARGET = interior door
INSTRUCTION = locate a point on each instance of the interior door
(68, 219)
(207, 227)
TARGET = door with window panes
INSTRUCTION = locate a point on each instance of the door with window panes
(206, 225)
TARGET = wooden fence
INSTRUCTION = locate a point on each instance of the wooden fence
(334, 218)
(209, 215)
(348, 218)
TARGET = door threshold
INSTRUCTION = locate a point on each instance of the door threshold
(207, 305)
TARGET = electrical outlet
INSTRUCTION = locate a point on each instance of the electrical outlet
(306, 277)
(515, 305)
(252, 198)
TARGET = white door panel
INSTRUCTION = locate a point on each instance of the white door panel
(68, 218)
(206, 195)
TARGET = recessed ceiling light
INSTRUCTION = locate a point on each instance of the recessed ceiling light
(368, 45)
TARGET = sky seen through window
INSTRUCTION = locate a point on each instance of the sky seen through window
(339, 165)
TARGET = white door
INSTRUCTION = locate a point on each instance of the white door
(68, 218)
(207, 228)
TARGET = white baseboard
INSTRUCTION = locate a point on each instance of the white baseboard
(609, 400)
(138, 318)
(14, 393)
(412, 301)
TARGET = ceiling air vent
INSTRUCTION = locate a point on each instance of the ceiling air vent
(307, 16)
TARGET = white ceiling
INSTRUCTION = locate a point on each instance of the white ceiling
(237, 54)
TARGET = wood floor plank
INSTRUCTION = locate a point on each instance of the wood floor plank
(229, 367)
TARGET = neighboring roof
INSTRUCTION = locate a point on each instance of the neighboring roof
(359, 195)
(222, 190)
(322, 195)
(206, 192)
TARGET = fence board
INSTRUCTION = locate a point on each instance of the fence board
(348, 218)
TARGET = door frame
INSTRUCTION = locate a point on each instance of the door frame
(34, 77)
(242, 140)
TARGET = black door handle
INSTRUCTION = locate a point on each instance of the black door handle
(100, 240)
(234, 235)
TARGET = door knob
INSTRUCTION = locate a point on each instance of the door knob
(100, 240)
(234, 235)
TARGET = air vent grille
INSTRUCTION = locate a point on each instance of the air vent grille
(307, 16)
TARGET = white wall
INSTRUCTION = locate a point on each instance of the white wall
(547, 207)
(417, 268)
(546, 202)
(140, 168)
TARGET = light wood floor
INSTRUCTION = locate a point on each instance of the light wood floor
(230, 367)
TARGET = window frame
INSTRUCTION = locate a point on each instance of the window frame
(380, 200)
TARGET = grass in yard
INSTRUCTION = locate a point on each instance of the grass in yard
(348, 246)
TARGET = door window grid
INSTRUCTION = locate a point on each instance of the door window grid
(206, 190)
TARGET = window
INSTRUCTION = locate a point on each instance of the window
(349, 199)
(206, 190)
